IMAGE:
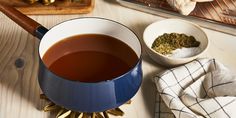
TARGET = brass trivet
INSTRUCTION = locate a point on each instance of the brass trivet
(65, 113)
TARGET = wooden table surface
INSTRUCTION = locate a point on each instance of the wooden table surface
(19, 89)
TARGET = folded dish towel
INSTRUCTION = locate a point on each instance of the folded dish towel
(201, 88)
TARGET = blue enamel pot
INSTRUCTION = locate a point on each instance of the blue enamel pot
(90, 97)
(76, 95)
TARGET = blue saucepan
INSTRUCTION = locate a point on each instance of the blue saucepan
(75, 95)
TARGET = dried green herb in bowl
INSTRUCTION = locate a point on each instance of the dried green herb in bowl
(168, 42)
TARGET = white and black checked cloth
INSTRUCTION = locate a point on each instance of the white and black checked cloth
(201, 88)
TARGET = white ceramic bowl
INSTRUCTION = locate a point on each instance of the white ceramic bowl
(173, 26)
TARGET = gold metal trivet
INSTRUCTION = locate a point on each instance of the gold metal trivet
(65, 113)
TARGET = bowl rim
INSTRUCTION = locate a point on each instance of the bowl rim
(179, 20)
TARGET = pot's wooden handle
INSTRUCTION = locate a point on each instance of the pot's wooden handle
(24, 21)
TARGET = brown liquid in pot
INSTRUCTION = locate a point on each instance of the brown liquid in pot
(90, 58)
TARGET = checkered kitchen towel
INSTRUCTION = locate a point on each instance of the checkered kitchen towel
(202, 88)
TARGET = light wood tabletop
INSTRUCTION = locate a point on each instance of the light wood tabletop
(19, 89)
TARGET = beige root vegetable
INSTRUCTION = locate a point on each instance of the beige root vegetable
(185, 7)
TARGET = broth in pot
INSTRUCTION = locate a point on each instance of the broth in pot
(90, 58)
